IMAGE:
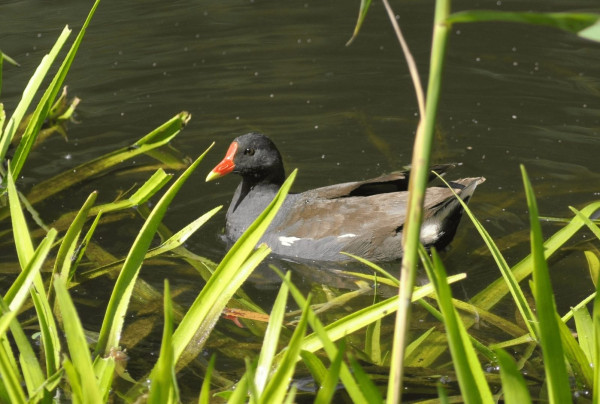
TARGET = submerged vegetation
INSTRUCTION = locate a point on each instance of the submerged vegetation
(58, 362)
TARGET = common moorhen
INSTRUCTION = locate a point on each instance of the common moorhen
(364, 218)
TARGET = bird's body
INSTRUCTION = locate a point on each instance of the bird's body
(364, 218)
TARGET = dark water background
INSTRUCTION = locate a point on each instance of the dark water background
(512, 94)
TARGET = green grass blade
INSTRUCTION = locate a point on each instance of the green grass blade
(514, 387)
(376, 268)
(23, 242)
(314, 365)
(49, 333)
(472, 382)
(585, 331)
(204, 397)
(593, 264)
(549, 331)
(325, 342)
(158, 137)
(240, 393)
(79, 353)
(511, 282)
(362, 14)
(580, 365)
(64, 257)
(179, 238)
(84, 244)
(228, 276)
(172, 243)
(11, 379)
(363, 317)
(277, 386)
(596, 350)
(271, 339)
(591, 225)
(29, 93)
(583, 24)
(43, 107)
(329, 385)
(110, 333)
(370, 391)
(104, 369)
(77, 395)
(19, 289)
(163, 382)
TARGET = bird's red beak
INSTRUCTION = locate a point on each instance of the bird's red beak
(226, 165)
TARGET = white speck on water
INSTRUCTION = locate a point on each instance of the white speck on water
(288, 241)
(271, 95)
(514, 117)
(68, 156)
(316, 126)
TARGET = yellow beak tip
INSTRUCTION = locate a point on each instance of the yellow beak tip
(212, 176)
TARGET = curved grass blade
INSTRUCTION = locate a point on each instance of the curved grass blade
(43, 107)
(163, 382)
(16, 295)
(329, 385)
(10, 379)
(204, 397)
(323, 340)
(580, 365)
(361, 318)
(511, 282)
(277, 387)
(585, 331)
(514, 387)
(271, 339)
(82, 372)
(362, 14)
(549, 332)
(110, 333)
(158, 137)
(586, 25)
(365, 383)
(314, 365)
(240, 393)
(471, 379)
(49, 333)
(174, 242)
(29, 93)
(65, 255)
(589, 223)
(393, 280)
(596, 350)
(233, 270)
(593, 262)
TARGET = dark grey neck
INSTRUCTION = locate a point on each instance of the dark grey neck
(266, 187)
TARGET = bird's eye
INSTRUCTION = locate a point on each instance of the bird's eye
(249, 152)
